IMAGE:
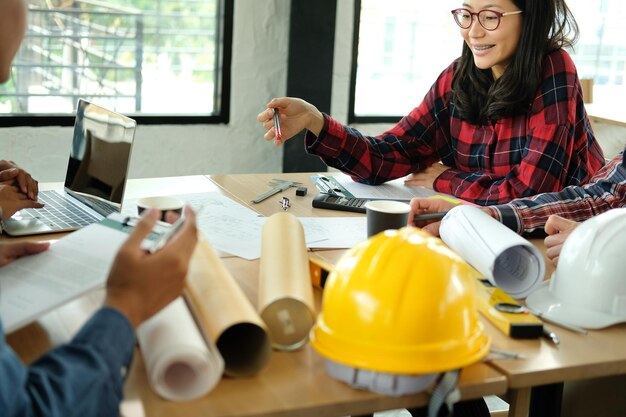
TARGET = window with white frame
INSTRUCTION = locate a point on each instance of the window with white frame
(138, 57)
(403, 45)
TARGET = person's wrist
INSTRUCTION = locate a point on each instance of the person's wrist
(125, 307)
(316, 120)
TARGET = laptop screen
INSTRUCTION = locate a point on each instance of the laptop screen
(100, 154)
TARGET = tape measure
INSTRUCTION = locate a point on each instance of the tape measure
(506, 313)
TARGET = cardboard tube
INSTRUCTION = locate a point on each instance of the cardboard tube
(181, 366)
(285, 291)
(225, 315)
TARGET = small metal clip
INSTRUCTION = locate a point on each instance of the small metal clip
(284, 202)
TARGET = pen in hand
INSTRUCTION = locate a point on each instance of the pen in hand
(279, 136)
(429, 216)
(167, 235)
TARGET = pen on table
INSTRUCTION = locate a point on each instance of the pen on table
(550, 335)
(505, 354)
(279, 136)
(429, 216)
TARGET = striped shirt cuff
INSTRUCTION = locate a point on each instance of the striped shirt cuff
(506, 215)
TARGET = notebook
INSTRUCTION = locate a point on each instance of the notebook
(95, 180)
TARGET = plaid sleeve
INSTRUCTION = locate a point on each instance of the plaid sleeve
(550, 149)
(410, 146)
(607, 190)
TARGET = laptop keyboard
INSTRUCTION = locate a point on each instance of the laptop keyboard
(58, 213)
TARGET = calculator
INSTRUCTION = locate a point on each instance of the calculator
(335, 202)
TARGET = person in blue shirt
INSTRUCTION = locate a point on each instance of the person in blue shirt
(85, 376)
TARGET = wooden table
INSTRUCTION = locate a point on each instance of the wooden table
(546, 366)
(294, 383)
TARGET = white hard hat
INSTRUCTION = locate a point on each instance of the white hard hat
(588, 288)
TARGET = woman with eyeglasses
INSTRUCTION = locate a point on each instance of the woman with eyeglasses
(504, 120)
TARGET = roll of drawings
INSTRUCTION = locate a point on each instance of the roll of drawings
(285, 291)
(181, 366)
(225, 315)
(506, 259)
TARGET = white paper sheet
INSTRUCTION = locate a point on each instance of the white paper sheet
(235, 229)
(337, 232)
(391, 190)
(229, 226)
(508, 260)
(180, 364)
(74, 265)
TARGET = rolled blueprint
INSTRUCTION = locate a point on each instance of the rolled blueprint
(506, 259)
(285, 291)
(181, 366)
(225, 315)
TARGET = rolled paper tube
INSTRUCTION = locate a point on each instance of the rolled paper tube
(225, 314)
(285, 291)
(506, 259)
(181, 366)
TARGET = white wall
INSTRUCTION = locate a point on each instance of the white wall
(259, 72)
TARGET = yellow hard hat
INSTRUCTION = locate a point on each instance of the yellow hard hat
(401, 303)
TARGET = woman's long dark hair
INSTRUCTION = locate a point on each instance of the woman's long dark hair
(547, 25)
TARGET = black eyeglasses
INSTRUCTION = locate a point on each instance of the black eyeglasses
(488, 19)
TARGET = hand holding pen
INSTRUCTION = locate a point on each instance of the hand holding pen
(167, 235)
(428, 212)
(285, 117)
(138, 286)
(176, 226)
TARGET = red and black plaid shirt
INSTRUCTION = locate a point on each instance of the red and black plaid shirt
(547, 149)
(605, 191)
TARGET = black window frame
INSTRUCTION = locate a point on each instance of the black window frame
(222, 90)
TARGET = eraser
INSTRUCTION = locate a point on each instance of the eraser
(301, 191)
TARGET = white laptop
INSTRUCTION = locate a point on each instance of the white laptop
(95, 179)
